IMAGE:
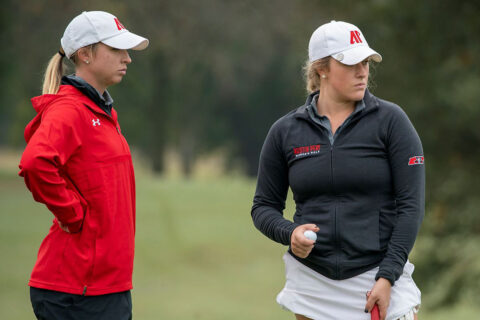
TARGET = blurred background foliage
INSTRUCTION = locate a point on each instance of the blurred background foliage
(218, 73)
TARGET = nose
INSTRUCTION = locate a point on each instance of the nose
(126, 58)
(362, 69)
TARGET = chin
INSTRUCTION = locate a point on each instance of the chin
(358, 96)
(116, 80)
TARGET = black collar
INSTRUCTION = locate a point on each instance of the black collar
(105, 102)
(371, 104)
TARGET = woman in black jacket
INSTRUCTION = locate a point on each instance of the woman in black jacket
(355, 165)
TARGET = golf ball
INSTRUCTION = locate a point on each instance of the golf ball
(309, 234)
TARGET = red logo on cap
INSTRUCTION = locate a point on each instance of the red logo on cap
(355, 37)
(119, 24)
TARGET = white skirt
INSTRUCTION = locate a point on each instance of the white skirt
(315, 296)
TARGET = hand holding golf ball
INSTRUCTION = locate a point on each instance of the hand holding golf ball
(309, 234)
(303, 239)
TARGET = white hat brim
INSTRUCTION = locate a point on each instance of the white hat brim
(356, 55)
(127, 40)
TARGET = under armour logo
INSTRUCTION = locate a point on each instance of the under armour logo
(95, 122)
(119, 24)
(355, 37)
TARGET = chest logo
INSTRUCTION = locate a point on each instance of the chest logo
(416, 160)
(95, 122)
(306, 150)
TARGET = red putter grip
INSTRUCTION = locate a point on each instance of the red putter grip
(375, 313)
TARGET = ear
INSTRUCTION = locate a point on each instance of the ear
(322, 72)
(323, 67)
(84, 54)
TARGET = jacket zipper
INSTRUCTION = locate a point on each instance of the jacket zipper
(335, 220)
(110, 118)
(335, 229)
(115, 124)
(89, 275)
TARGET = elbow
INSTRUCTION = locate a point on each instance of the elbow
(27, 165)
(31, 164)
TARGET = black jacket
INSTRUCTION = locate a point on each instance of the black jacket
(365, 192)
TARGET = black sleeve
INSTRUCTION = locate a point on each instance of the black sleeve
(408, 174)
(271, 192)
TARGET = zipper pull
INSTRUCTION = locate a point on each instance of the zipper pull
(84, 290)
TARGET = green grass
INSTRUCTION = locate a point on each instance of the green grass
(198, 255)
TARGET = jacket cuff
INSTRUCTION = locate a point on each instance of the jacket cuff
(386, 275)
(292, 227)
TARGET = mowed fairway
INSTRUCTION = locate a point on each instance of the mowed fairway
(198, 255)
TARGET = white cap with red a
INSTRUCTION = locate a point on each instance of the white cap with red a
(98, 26)
(342, 41)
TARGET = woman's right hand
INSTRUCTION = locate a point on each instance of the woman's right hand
(72, 227)
(63, 227)
(302, 246)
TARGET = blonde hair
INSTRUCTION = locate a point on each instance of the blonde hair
(53, 74)
(312, 78)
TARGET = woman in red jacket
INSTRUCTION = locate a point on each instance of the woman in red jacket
(78, 164)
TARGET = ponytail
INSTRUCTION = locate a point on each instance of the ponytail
(53, 74)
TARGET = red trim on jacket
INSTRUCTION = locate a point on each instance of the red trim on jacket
(79, 165)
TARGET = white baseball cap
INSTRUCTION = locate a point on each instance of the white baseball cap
(342, 41)
(98, 26)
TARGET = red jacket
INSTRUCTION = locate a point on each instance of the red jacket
(79, 165)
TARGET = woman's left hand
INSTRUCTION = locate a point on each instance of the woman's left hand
(379, 295)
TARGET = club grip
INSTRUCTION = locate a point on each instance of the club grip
(375, 313)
